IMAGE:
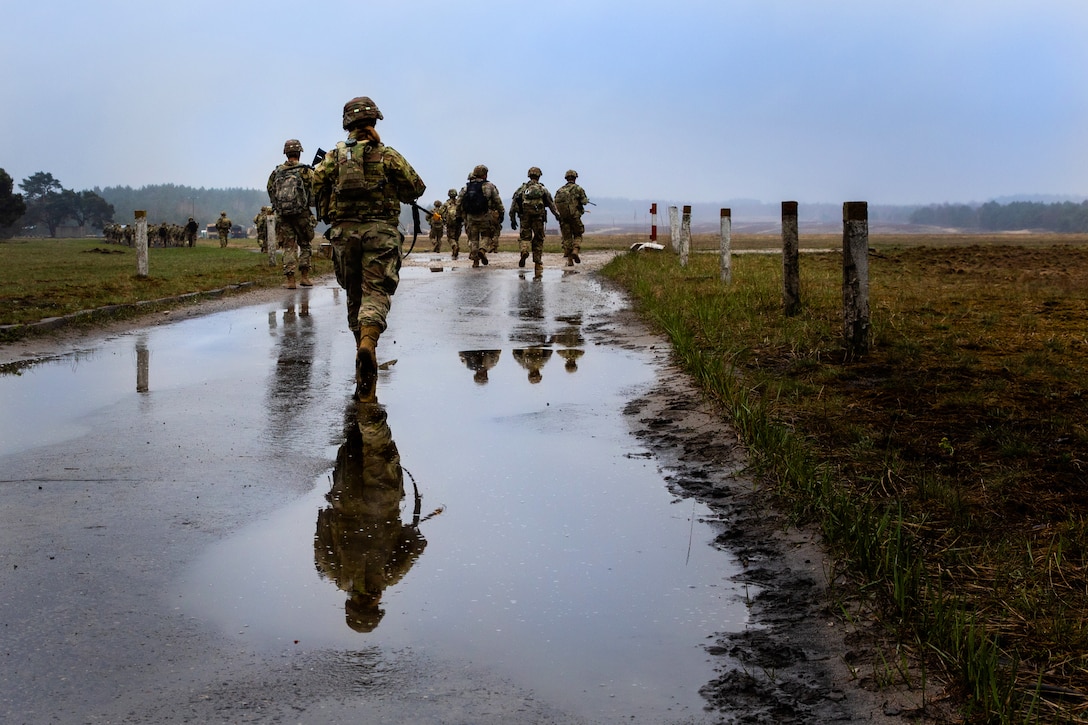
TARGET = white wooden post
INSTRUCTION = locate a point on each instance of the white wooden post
(727, 246)
(791, 265)
(685, 236)
(855, 277)
(674, 229)
(141, 243)
(270, 227)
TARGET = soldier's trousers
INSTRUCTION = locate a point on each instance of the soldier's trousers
(367, 260)
(572, 230)
(531, 238)
(295, 233)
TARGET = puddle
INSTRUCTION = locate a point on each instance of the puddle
(543, 545)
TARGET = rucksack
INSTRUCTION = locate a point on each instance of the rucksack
(474, 201)
(532, 198)
(290, 192)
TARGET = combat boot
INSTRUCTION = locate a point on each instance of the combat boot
(366, 361)
(524, 256)
(454, 251)
(290, 283)
(570, 261)
(538, 269)
(304, 277)
(483, 258)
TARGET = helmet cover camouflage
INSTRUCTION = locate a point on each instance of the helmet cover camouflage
(453, 193)
(480, 172)
(292, 147)
(535, 172)
(360, 108)
(571, 174)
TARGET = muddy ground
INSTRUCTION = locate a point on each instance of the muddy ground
(801, 662)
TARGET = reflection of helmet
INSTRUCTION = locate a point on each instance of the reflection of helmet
(453, 193)
(360, 108)
(480, 172)
(571, 174)
(535, 172)
(363, 612)
(292, 147)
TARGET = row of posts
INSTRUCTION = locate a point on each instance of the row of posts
(855, 262)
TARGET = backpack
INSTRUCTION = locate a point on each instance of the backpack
(532, 199)
(291, 196)
(474, 201)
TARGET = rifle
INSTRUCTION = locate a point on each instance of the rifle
(318, 157)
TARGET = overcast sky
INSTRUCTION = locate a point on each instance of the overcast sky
(889, 101)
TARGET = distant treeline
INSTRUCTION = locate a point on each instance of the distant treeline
(1066, 216)
(174, 204)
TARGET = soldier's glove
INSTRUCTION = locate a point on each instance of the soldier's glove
(513, 223)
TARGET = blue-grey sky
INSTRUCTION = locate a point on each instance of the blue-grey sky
(888, 101)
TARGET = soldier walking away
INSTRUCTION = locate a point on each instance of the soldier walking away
(261, 223)
(437, 222)
(480, 204)
(453, 223)
(223, 226)
(571, 200)
(358, 188)
(190, 232)
(290, 189)
(531, 204)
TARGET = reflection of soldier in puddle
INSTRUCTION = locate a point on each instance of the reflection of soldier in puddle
(361, 543)
(292, 377)
(572, 341)
(533, 359)
(479, 362)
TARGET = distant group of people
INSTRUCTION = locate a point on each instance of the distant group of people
(161, 235)
(478, 208)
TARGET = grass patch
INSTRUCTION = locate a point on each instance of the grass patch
(43, 278)
(948, 467)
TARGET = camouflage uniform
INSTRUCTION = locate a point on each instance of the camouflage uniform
(294, 231)
(453, 223)
(571, 200)
(365, 238)
(261, 223)
(223, 226)
(436, 219)
(190, 232)
(361, 543)
(482, 224)
(531, 204)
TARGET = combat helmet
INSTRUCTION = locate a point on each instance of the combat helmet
(535, 172)
(360, 108)
(571, 174)
(453, 193)
(480, 172)
(292, 147)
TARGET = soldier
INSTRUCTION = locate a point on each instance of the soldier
(480, 204)
(437, 222)
(190, 232)
(571, 200)
(531, 203)
(453, 223)
(359, 187)
(290, 189)
(223, 226)
(261, 223)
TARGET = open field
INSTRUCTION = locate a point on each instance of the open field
(948, 467)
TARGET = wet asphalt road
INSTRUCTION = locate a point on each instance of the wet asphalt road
(188, 511)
